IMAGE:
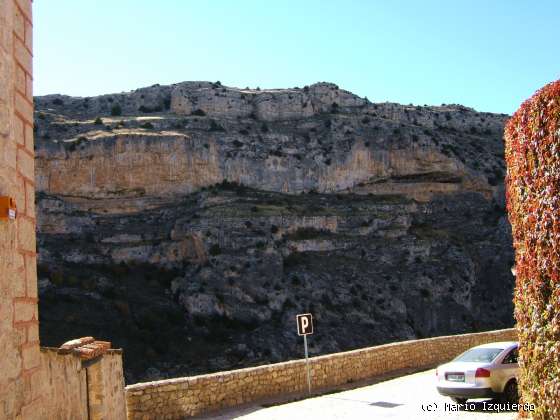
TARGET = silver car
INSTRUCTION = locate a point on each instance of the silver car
(486, 371)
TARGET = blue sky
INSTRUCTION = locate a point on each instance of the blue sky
(490, 55)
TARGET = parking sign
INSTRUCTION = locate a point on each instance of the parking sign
(304, 324)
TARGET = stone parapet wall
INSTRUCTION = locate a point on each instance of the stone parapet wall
(181, 397)
(106, 387)
(81, 389)
(66, 395)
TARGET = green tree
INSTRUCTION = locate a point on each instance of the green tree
(116, 110)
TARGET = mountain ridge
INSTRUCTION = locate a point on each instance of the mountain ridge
(225, 215)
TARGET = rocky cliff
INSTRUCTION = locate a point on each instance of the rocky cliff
(190, 223)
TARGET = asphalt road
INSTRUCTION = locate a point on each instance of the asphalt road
(408, 397)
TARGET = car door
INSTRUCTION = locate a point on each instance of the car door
(505, 369)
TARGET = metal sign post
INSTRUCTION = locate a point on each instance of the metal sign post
(307, 365)
(305, 328)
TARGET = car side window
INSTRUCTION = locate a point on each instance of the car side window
(511, 357)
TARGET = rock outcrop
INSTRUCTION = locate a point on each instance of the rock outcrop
(190, 223)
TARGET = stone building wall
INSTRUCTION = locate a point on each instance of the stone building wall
(34, 383)
(181, 397)
(21, 391)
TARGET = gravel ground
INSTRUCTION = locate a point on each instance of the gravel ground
(408, 397)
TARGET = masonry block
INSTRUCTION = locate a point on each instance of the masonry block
(23, 56)
(18, 289)
(19, 23)
(24, 311)
(19, 193)
(31, 276)
(33, 332)
(31, 356)
(29, 139)
(8, 153)
(20, 80)
(26, 234)
(25, 164)
(19, 131)
(20, 334)
(5, 32)
(25, 6)
(28, 35)
(6, 81)
(33, 411)
(33, 385)
(29, 199)
(24, 107)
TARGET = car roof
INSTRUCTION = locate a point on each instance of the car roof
(499, 345)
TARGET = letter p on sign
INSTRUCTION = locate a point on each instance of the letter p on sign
(304, 324)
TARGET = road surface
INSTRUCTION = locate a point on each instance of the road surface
(408, 397)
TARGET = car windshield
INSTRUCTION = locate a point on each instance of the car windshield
(479, 355)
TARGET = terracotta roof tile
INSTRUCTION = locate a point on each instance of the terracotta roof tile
(86, 348)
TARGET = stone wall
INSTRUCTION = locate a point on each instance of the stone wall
(21, 391)
(66, 393)
(177, 398)
(106, 387)
(79, 389)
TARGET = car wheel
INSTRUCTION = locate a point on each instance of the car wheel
(459, 400)
(510, 392)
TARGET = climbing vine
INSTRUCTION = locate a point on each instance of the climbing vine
(532, 152)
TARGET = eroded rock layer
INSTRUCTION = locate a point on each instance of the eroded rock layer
(190, 223)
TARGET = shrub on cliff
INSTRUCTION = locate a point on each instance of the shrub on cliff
(215, 250)
(98, 121)
(231, 186)
(304, 233)
(532, 152)
(214, 126)
(116, 110)
(148, 110)
(199, 112)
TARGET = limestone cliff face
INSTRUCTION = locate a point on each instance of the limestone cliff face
(203, 217)
(128, 164)
(262, 139)
(171, 164)
(269, 105)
